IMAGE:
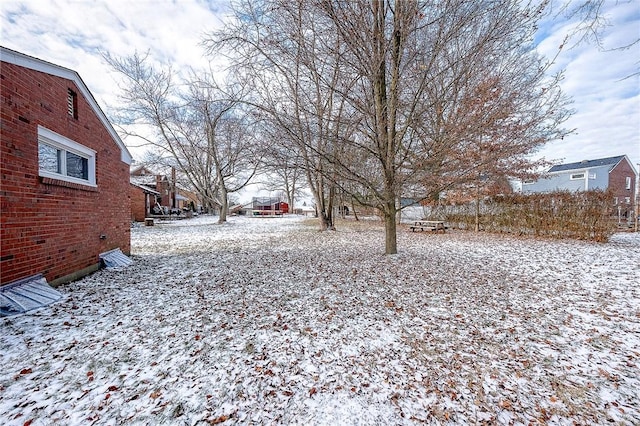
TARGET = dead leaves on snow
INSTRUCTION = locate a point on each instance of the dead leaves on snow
(477, 340)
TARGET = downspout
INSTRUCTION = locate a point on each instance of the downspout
(636, 199)
(586, 180)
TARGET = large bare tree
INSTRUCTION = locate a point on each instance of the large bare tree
(379, 94)
(292, 60)
(197, 123)
(425, 67)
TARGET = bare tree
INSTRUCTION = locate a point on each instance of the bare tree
(591, 21)
(409, 51)
(281, 48)
(378, 95)
(281, 166)
(488, 115)
(228, 145)
(195, 122)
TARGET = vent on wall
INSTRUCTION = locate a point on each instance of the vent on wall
(25, 295)
(72, 103)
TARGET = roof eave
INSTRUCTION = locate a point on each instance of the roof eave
(26, 61)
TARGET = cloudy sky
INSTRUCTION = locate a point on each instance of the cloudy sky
(72, 33)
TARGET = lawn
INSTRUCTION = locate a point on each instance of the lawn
(268, 321)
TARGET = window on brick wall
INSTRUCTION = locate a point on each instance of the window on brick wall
(72, 103)
(628, 182)
(61, 158)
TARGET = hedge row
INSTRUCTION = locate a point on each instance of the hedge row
(579, 215)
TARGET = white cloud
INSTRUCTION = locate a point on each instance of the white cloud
(606, 95)
(74, 33)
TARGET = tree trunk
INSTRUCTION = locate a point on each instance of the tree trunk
(326, 220)
(477, 227)
(353, 209)
(324, 213)
(390, 237)
(290, 200)
(224, 208)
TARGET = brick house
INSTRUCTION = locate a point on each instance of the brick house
(144, 195)
(615, 174)
(142, 201)
(150, 191)
(64, 171)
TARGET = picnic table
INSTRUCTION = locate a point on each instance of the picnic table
(428, 225)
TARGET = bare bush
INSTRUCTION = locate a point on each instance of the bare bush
(561, 214)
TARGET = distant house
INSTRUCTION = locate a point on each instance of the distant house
(143, 199)
(64, 172)
(241, 209)
(144, 192)
(266, 206)
(615, 174)
(152, 192)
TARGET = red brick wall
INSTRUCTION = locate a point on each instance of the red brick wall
(138, 204)
(48, 226)
(617, 184)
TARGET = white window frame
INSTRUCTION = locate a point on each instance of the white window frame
(60, 142)
(578, 176)
(628, 182)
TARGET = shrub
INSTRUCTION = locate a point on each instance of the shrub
(562, 214)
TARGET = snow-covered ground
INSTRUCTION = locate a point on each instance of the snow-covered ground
(268, 321)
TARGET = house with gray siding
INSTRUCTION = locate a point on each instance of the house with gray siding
(615, 174)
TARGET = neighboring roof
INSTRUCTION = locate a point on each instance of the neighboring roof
(138, 169)
(585, 164)
(135, 168)
(20, 59)
(149, 180)
(265, 201)
(145, 188)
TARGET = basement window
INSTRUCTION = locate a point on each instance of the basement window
(26, 295)
(61, 158)
(72, 103)
(114, 259)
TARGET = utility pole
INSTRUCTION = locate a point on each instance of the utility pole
(173, 187)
